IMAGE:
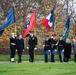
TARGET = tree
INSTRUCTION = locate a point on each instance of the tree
(23, 10)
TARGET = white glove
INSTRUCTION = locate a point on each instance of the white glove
(35, 48)
(27, 47)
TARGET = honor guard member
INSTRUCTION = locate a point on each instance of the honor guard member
(46, 48)
(53, 42)
(12, 46)
(20, 47)
(67, 50)
(60, 45)
(32, 44)
(74, 48)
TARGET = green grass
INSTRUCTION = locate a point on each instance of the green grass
(36, 68)
(26, 57)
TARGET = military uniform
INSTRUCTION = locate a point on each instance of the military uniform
(13, 48)
(67, 52)
(46, 49)
(20, 47)
(32, 43)
(60, 48)
(74, 48)
(53, 46)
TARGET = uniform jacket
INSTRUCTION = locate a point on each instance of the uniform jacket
(32, 42)
(20, 44)
(61, 44)
(13, 43)
(52, 43)
(74, 47)
(67, 50)
(46, 45)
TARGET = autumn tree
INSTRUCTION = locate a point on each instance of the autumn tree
(24, 9)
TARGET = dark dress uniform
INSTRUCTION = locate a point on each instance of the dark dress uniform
(46, 49)
(20, 47)
(67, 52)
(53, 46)
(13, 48)
(60, 48)
(74, 49)
(32, 43)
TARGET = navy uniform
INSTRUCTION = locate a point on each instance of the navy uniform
(74, 48)
(46, 48)
(32, 44)
(61, 43)
(53, 42)
(13, 48)
(20, 48)
(67, 50)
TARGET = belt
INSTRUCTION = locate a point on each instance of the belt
(46, 45)
(60, 45)
(12, 43)
(52, 44)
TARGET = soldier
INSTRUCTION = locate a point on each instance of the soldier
(74, 48)
(12, 46)
(67, 50)
(53, 42)
(32, 44)
(20, 48)
(46, 48)
(60, 45)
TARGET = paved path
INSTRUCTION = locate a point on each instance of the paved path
(34, 62)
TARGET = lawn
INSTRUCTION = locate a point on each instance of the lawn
(39, 67)
(26, 57)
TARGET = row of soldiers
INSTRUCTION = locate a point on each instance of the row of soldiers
(17, 44)
(60, 45)
(53, 44)
(50, 44)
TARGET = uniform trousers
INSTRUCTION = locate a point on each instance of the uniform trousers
(19, 56)
(52, 55)
(60, 54)
(12, 56)
(46, 55)
(31, 54)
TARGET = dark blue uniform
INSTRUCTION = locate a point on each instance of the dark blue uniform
(74, 49)
(53, 46)
(67, 52)
(60, 48)
(12, 47)
(46, 49)
(20, 47)
(32, 43)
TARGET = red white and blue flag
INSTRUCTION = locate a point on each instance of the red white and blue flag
(48, 22)
(31, 24)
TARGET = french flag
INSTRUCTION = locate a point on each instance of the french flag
(49, 20)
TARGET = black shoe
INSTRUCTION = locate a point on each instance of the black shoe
(52, 61)
(19, 61)
(61, 61)
(46, 61)
(74, 60)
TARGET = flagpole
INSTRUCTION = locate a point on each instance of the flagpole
(53, 30)
(15, 29)
(15, 22)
